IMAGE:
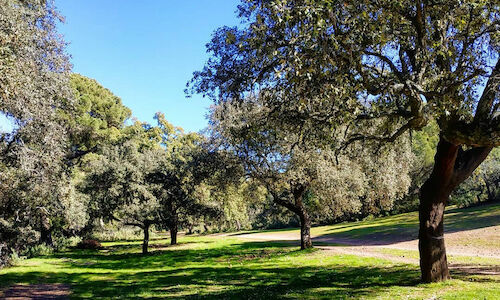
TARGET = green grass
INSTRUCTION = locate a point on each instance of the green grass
(221, 268)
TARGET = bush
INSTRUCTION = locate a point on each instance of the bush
(61, 243)
(89, 244)
(38, 250)
(14, 259)
(112, 233)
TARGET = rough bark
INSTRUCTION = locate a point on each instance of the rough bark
(305, 221)
(145, 242)
(452, 166)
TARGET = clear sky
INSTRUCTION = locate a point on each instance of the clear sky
(146, 51)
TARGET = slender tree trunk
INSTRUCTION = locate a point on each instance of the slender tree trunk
(488, 189)
(305, 221)
(173, 233)
(145, 242)
(300, 210)
(305, 230)
(452, 166)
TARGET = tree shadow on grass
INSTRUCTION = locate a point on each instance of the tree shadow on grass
(246, 270)
(175, 257)
(224, 282)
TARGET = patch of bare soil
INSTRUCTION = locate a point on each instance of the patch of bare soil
(37, 291)
(474, 269)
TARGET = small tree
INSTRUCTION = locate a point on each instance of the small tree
(119, 190)
(300, 176)
(178, 175)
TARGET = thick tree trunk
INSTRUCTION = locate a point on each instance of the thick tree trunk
(452, 166)
(173, 234)
(433, 261)
(305, 230)
(145, 242)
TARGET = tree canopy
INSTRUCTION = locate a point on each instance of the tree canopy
(373, 70)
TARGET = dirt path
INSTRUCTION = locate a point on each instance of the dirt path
(484, 242)
(37, 291)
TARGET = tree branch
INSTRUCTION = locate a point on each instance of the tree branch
(489, 95)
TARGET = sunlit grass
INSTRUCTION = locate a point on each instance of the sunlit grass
(222, 267)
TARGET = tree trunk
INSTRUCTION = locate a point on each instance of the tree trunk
(145, 242)
(433, 261)
(46, 230)
(305, 221)
(491, 197)
(305, 230)
(452, 166)
(173, 234)
(300, 210)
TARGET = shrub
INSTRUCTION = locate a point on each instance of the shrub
(112, 233)
(14, 259)
(38, 250)
(61, 243)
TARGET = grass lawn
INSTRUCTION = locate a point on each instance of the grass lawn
(219, 268)
(222, 267)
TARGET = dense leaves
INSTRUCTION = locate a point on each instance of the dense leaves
(34, 77)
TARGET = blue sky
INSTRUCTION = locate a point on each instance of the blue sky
(146, 51)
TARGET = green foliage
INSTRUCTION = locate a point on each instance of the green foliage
(382, 67)
(296, 172)
(34, 77)
(483, 185)
(98, 116)
(14, 259)
(117, 232)
(38, 250)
